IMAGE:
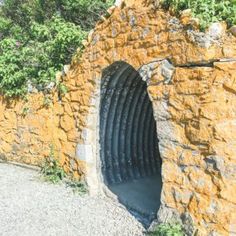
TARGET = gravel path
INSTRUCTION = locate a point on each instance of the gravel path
(30, 207)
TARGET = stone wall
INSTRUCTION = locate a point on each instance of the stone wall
(195, 114)
(31, 128)
(191, 82)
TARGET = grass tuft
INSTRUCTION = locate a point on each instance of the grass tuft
(167, 229)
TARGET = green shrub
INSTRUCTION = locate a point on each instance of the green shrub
(84, 12)
(36, 61)
(208, 11)
(38, 37)
(81, 12)
(168, 229)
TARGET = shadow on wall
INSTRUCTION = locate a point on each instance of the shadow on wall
(130, 158)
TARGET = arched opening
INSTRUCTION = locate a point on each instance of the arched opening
(130, 159)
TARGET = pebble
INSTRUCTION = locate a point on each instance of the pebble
(29, 206)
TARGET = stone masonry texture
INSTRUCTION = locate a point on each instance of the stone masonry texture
(191, 78)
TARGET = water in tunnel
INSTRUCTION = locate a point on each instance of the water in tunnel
(130, 158)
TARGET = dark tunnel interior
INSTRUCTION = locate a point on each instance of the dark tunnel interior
(130, 159)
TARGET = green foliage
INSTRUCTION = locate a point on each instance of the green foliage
(168, 229)
(47, 101)
(52, 172)
(81, 12)
(48, 47)
(208, 11)
(51, 169)
(25, 111)
(38, 37)
(78, 187)
(62, 89)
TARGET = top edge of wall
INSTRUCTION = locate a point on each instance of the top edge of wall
(128, 3)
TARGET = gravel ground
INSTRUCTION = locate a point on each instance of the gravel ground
(30, 207)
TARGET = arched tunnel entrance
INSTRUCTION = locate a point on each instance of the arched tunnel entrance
(130, 159)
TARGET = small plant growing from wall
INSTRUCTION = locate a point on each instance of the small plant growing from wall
(25, 111)
(51, 169)
(168, 229)
(62, 90)
(47, 101)
(53, 172)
